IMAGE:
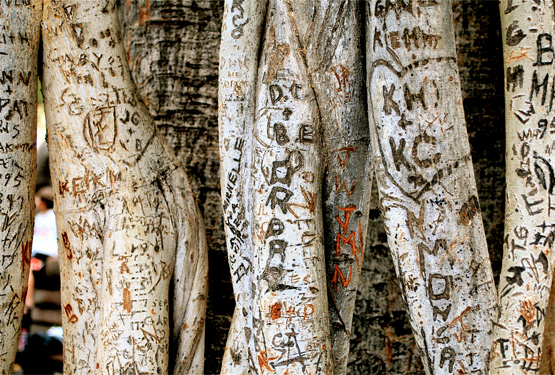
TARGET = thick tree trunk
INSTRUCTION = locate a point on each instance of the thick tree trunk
(310, 85)
(19, 43)
(427, 189)
(525, 281)
(172, 49)
(133, 255)
(334, 56)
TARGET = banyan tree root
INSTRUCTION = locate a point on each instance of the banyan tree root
(280, 118)
(133, 252)
(426, 183)
(334, 56)
(239, 52)
(527, 271)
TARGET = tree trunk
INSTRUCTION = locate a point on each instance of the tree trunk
(290, 317)
(173, 43)
(426, 183)
(239, 52)
(334, 56)
(311, 63)
(527, 270)
(19, 43)
(288, 262)
(133, 255)
(172, 49)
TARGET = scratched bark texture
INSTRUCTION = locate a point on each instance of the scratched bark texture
(426, 183)
(547, 365)
(290, 316)
(239, 53)
(133, 253)
(19, 44)
(332, 33)
(326, 78)
(172, 49)
(381, 340)
(527, 270)
(289, 322)
(333, 39)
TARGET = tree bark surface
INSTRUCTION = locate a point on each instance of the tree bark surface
(19, 44)
(381, 340)
(310, 91)
(331, 32)
(290, 317)
(239, 53)
(527, 271)
(426, 182)
(172, 48)
(133, 251)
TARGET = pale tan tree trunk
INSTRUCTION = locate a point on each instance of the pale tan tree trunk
(525, 281)
(239, 53)
(332, 34)
(172, 48)
(290, 311)
(309, 110)
(19, 43)
(426, 183)
(133, 251)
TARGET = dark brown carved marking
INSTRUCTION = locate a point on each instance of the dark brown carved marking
(467, 212)
(515, 35)
(279, 196)
(439, 286)
(515, 77)
(100, 128)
